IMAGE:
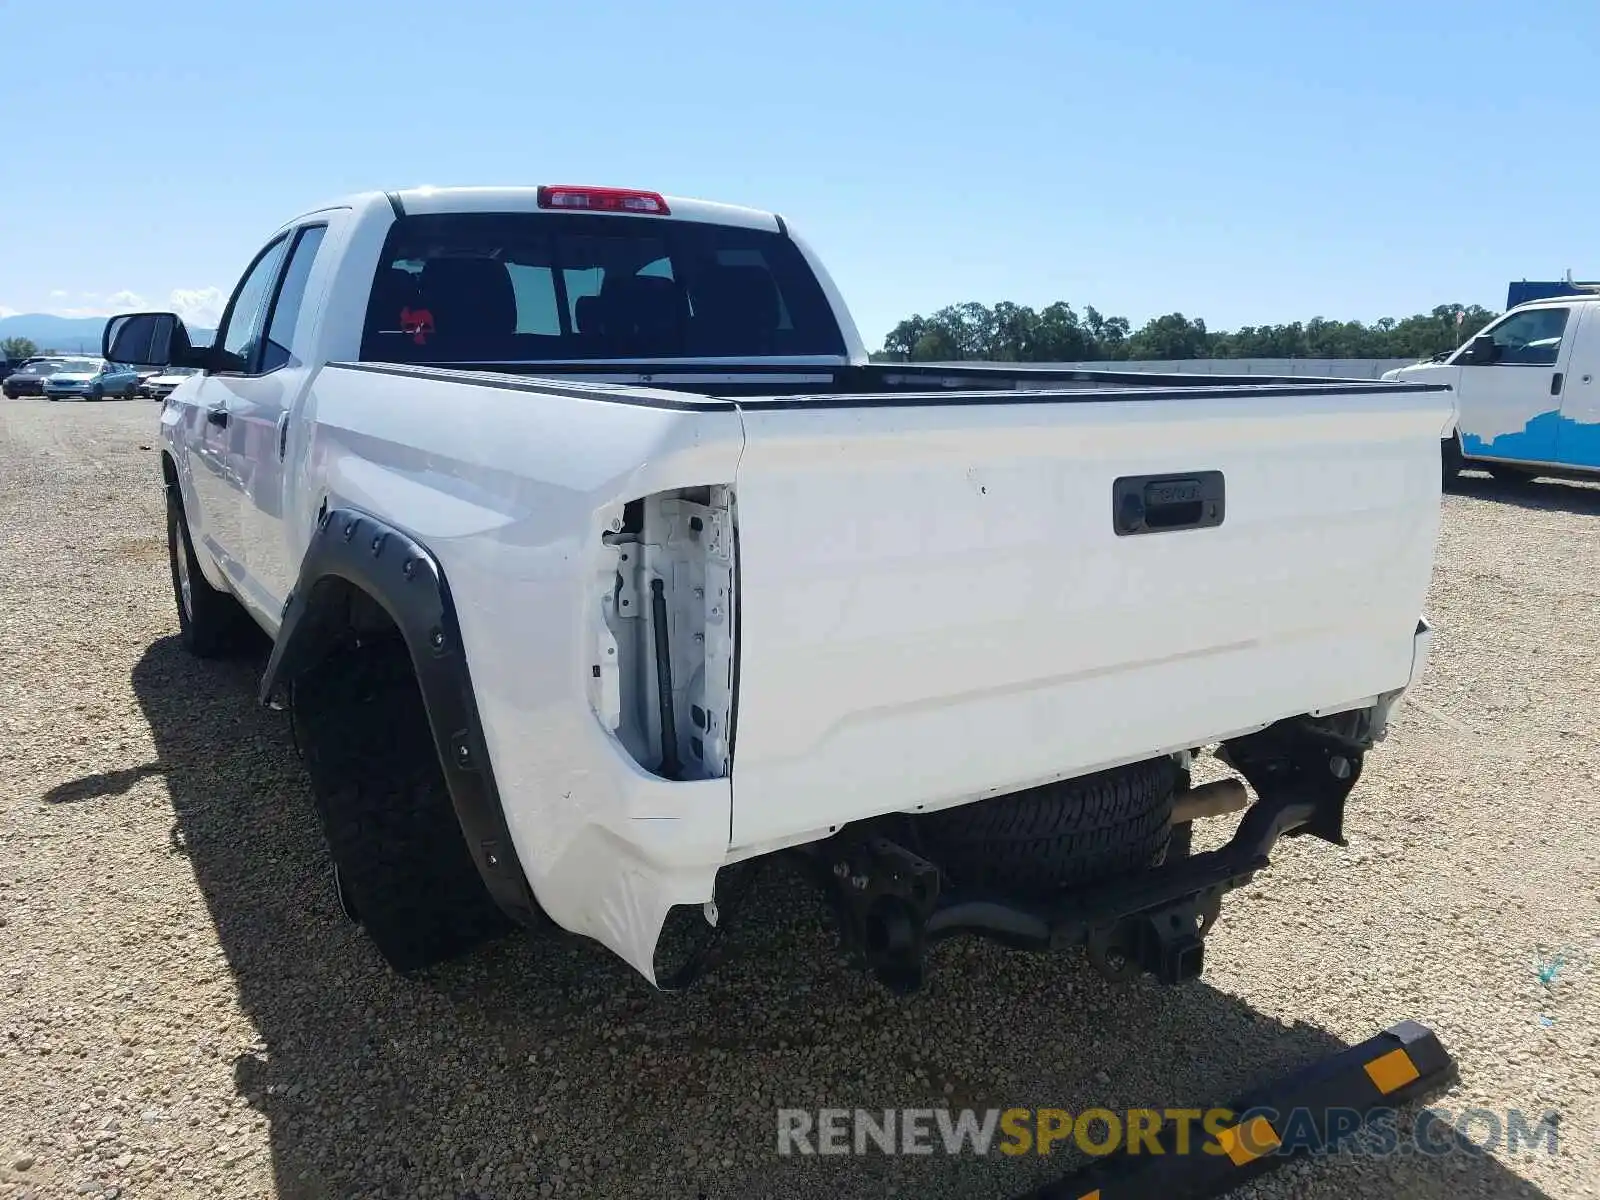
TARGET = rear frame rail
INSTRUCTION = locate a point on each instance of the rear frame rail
(891, 904)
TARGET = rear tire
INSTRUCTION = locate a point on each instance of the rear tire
(211, 623)
(403, 868)
(347, 902)
(1060, 836)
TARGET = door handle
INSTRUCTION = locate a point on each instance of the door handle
(1555, 384)
(217, 416)
(283, 436)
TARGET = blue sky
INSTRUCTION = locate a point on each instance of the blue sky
(1243, 162)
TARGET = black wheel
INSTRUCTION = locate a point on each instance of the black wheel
(347, 902)
(1450, 455)
(97, 392)
(211, 623)
(1063, 835)
(403, 870)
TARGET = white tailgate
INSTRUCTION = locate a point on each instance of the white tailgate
(934, 606)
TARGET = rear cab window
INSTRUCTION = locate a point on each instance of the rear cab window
(543, 287)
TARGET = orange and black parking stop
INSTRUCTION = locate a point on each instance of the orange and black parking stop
(1309, 1112)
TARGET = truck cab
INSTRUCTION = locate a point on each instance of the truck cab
(1527, 391)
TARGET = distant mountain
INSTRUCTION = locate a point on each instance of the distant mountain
(75, 335)
(50, 332)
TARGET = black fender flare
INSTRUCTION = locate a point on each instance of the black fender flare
(399, 574)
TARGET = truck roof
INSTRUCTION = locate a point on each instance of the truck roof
(525, 198)
(1566, 301)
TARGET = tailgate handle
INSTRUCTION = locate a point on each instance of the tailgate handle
(1167, 503)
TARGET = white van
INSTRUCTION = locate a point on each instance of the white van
(1527, 392)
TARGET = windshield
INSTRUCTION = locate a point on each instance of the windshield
(171, 372)
(471, 287)
(41, 368)
(78, 366)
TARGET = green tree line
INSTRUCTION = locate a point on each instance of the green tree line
(1009, 332)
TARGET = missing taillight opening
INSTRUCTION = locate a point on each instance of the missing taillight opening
(661, 676)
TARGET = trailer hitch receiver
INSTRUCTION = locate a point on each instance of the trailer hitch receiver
(1167, 941)
(884, 894)
(1169, 946)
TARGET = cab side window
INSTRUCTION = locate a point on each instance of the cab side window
(240, 336)
(1530, 339)
(285, 313)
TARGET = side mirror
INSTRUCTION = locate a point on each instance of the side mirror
(1481, 350)
(147, 340)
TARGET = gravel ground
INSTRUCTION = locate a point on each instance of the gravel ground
(184, 1012)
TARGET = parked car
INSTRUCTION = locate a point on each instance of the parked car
(27, 379)
(92, 380)
(160, 383)
(1527, 392)
(602, 567)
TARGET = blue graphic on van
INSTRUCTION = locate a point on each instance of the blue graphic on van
(1548, 437)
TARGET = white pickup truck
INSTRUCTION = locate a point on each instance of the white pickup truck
(602, 567)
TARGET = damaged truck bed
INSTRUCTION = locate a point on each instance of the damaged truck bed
(667, 580)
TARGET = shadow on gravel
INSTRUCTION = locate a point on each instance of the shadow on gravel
(106, 783)
(548, 1067)
(1551, 495)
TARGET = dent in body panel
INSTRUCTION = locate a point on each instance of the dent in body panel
(511, 496)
